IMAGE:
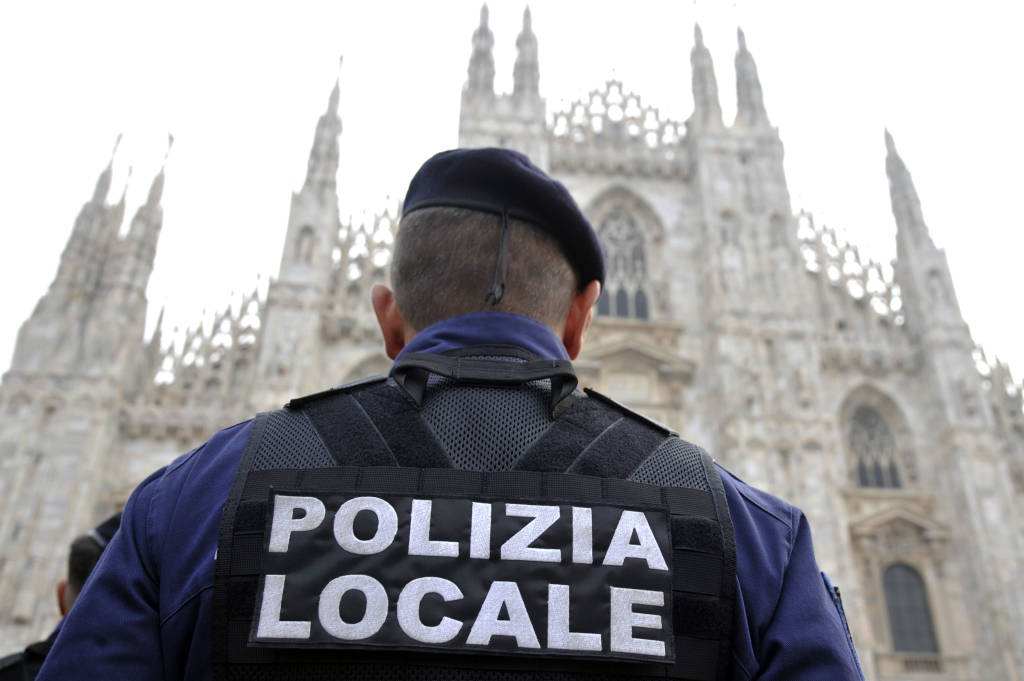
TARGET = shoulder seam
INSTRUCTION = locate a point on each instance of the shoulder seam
(739, 490)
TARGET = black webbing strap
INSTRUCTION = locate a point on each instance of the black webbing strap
(727, 593)
(398, 422)
(411, 372)
(579, 424)
(348, 432)
(221, 626)
(619, 449)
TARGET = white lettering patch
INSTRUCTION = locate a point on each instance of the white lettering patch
(376, 570)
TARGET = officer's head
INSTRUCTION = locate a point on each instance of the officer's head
(485, 229)
(86, 550)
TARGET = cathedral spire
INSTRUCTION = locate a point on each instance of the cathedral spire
(707, 111)
(150, 212)
(156, 189)
(906, 206)
(749, 96)
(322, 170)
(481, 63)
(99, 195)
(332, 101)
(527, 70)
(116, 216)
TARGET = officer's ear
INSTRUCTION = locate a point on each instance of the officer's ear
(581, 312)
(393, 327)
(62, 597)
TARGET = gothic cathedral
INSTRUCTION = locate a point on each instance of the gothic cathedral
(805, 369)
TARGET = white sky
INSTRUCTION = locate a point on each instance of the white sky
(241, 84)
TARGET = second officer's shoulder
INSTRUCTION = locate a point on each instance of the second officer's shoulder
(11, 667)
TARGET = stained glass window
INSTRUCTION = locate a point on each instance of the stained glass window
(874, 448)
(910, 618)
(626, 267)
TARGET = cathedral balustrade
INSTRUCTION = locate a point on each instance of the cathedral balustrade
(1005, 396)
(612, 131)
(360, 258)
(841, 266)
(185, 425)
(871, 359)
(213, 361)
(931, 666)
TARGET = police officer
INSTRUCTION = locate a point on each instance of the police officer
(86, 550)
(474, 515)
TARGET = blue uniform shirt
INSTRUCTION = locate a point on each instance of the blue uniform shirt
(146, 610)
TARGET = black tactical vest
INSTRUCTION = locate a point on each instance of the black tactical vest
(351, 548)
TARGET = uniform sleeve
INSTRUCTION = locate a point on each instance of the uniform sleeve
(806, 637)
(113, 630)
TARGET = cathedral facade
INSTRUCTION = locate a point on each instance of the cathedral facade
(849, 389)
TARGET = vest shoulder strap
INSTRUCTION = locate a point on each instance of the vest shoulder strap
(373, 423)
(297, 402)
(595, 435)
(629, 412)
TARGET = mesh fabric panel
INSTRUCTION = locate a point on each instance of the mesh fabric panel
(290, 441)
(676, 463)
(486, 427)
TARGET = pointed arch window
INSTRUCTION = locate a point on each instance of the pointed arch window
(910, 618)
(626, 278)
(874, 448)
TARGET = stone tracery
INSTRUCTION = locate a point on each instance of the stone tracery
(612, 119)
(878, 441)
(627, 228)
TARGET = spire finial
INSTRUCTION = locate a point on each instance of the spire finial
(707, 111)
(332, 101)
(117, 143)
(481, 63)
(322, 168)
(99, 194)
(750, 110)
(127, 181)
(906, 206)
(526, 76)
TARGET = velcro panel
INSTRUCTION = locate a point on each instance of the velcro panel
(399, 423)
(349, 432)
(700, 616)
(696, 572)
(618, 450)
(576, 428)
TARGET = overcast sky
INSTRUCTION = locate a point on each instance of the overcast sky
(241, 86)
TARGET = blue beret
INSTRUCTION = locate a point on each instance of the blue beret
(501, 180)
